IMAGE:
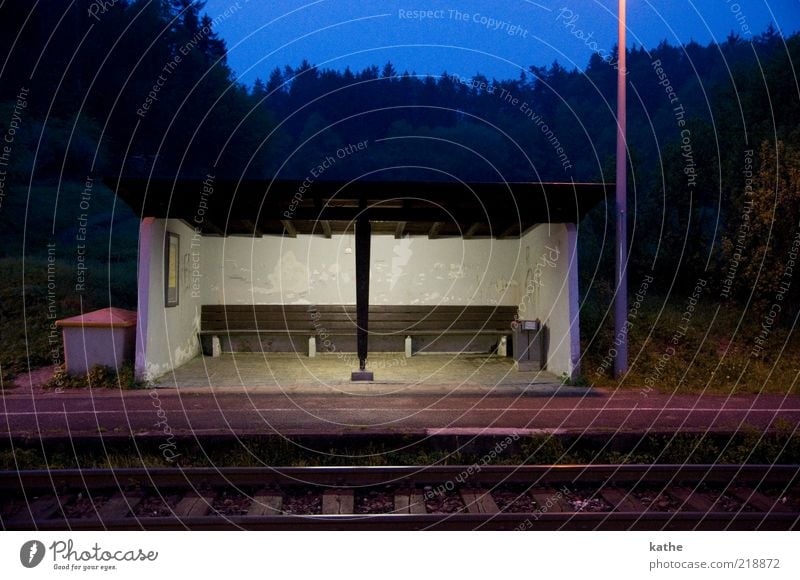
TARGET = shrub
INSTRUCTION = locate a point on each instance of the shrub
(98, 377)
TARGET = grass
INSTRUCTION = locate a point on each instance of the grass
(31, 298)
(6, 379)
(715, 355)
(748, 446)
(27, 311)
(707, 355)
(98, 377)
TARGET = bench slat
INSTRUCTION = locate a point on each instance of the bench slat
(340, 319)
(349, 308)
(374, 327)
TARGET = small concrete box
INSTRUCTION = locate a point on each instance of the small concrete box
(104, 337)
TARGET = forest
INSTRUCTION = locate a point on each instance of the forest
(145, 87)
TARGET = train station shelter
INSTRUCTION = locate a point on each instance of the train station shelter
(356, 269)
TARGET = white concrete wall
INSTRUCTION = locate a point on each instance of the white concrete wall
(315, 270)
(537, 273)
(165, 337)
(548, 290)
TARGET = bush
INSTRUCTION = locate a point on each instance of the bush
(6, 379)
(98, 377)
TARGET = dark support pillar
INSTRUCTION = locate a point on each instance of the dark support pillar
(363, 242)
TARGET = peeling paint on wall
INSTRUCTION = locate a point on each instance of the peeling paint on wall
(289, 278)
(402, 253)
(317, 270)
(456, 272)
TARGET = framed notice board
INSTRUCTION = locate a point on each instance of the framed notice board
(171, 270)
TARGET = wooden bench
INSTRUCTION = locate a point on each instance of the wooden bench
(319, 322)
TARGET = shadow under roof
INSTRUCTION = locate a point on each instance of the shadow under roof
(431, 208)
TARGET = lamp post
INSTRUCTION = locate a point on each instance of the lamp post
(621, 275)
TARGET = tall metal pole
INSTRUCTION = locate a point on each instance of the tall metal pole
(621, 301)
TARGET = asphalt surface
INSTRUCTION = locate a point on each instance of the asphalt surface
(31, 412)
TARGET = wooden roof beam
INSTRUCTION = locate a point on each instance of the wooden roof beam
(326, 228)
(471, 230)
(513, 228)
(528, 228)
(253, 228)
(209, 226)
(289, 229)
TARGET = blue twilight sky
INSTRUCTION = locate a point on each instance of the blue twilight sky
(497, 38)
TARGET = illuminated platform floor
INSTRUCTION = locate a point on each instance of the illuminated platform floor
(340, 408)
(330, 373)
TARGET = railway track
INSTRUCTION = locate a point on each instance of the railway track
(564, 497)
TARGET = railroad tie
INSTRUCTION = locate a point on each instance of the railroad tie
(195, 504)
(409, 502)
(550, 500)
(622, 501)
(479, 502)
(758, 500)
(337, 501)
(266, 503)
(692, 499)
(119, 505)
(43, 508)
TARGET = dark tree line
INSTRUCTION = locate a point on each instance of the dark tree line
(146, 83)
(137, 80)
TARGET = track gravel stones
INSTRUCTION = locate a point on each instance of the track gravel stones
(514, 501)
(374, 502)
(300, 502)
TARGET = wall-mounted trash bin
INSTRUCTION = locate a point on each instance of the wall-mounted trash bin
(529, 345)
(104, 337)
